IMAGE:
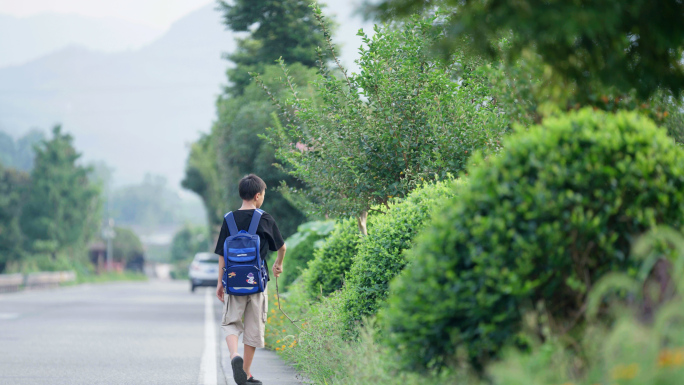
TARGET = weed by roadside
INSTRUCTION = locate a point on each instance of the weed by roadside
(109, 277)
(322, 355)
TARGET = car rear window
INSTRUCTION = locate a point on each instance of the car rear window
(209, 260)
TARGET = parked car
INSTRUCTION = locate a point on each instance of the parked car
(203, 270)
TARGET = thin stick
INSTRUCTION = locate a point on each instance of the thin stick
(281, 310)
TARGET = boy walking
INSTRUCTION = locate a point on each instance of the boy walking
(252, 307)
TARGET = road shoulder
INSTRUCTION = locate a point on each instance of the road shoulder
(267, 366)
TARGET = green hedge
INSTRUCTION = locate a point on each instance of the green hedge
(381, 254)
(540, 223)
(300, 249)
(326, 272)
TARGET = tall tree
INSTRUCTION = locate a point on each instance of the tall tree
(202, 178)
(241, 149)
(403, 120)
(233, 148)
(63, 206)
(279, 28)
(13, 186)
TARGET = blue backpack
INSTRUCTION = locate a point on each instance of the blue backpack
(245, 272)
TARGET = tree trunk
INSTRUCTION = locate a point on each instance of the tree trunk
(362, 222)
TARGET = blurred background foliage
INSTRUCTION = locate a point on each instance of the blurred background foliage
(187, 242)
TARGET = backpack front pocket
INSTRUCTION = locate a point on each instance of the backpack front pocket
(242, 279)
(242, 255)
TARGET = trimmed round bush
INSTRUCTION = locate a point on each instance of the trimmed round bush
(326, 272)
(381, 254)
(538, 224)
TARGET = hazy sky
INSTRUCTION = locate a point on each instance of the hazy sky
(154, 13)
(104, 115)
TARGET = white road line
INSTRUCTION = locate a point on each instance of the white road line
(208, 369)
(8, 316)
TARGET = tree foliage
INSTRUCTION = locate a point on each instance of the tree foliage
(63, 206)
(187, 242)
(233, 149)
(202, 178)
(127, 246)
(19, 154)
(241, 151)
(13, 188)
(634, 45)
(404, 119)
(283, 28)
(527, 90)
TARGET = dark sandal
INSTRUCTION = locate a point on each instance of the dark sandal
(239, 374)
(254, 381)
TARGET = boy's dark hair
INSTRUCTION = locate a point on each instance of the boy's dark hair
(249, 186)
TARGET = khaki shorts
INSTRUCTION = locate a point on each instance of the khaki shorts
(254, 309)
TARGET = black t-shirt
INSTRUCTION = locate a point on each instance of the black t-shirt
(267, 231)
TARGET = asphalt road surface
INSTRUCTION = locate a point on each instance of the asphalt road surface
(153, 332)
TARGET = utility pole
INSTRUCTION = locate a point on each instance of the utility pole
(109, 234)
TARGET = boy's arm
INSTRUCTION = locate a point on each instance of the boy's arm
(278, 264)
(219, 285)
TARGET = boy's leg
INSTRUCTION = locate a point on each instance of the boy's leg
(232, 341)
(249, 356)
(255, 324)
(232, 325)
(233, 311)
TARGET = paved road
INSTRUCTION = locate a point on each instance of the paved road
(120, 333)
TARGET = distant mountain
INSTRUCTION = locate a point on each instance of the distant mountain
(25, 39)
(134, 110)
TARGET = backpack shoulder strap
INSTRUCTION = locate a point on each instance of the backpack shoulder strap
(230, 221)
(254, 224)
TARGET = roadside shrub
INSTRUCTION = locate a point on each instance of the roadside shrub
(368, 361)
(538, 224)
(627, 350)
(381, 253)
(629, 353)
(326, 272)
(322, 355)
(301, 246)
